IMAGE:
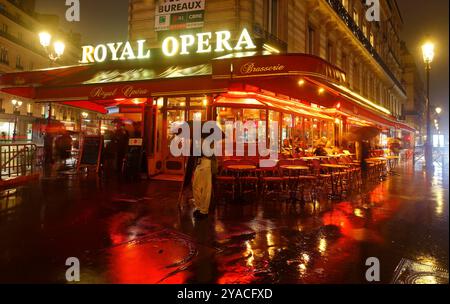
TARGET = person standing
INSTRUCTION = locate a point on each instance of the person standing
(202, 187)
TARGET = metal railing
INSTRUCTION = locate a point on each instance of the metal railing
(18, 159)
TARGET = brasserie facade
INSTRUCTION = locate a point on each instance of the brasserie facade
(222, 75)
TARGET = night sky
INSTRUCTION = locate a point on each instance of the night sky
(101, 20)
(430, 18)
(107, 21)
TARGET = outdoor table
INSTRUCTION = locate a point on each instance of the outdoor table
(332, 169)
(238, 170)
(241, 168)
(294, 180)
(309, 158)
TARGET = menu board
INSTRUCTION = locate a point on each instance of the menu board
(91, 151)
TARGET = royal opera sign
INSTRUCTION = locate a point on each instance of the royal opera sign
(182, 45)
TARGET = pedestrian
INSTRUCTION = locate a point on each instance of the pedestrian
(206, 168)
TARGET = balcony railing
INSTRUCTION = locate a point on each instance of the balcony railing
(22, 43)
(15, 19)
(337, 6)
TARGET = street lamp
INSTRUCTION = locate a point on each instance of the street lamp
(438, 111)
(58, 47)
(428, 56)
(54, 54)
(16, 105)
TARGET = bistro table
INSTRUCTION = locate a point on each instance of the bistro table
(294, 172)
(332, 168)
(238, 170)
(308, 158)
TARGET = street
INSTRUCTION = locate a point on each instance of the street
(124, 232)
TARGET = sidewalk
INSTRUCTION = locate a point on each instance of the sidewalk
(135, 233)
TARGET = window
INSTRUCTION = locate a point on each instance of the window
(345, 4)
(4, 28)
(19, 62)
(330, 52)
(364, 29)
(311, 40)
(29, 108)
(271, 16)
(356, 82)
(356, 17)
(4, 55)
(344, 62)
(372, 39)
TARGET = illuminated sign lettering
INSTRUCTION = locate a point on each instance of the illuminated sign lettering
(201, 43)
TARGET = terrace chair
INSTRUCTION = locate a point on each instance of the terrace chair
(308, 181)
(225, 183)
(323, 184)
(271, 180)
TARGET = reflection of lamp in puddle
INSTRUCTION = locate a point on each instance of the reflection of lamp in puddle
(322, 245)
(439, 202)
(249, 253)
(270, 244)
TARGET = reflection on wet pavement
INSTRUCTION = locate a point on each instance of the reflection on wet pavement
(136, 233)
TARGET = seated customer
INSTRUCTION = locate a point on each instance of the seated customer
(320, 151)
(286, 149)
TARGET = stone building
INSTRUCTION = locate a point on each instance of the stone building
(20, 50)
(336, 30)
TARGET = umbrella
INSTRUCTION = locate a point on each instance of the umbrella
(363, 133)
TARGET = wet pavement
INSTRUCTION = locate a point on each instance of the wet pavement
(125, 232)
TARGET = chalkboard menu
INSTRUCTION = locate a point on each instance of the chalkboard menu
(90, 153)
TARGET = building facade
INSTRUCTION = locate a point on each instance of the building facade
(20, 50)
(335, 30)
(309, 72)
(414, 108)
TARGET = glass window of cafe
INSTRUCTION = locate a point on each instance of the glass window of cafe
(230, 114)
(303, 130)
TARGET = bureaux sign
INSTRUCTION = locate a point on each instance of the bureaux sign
(182, 45)
(179, 14)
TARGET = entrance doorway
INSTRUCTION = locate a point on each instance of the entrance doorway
(172, 112)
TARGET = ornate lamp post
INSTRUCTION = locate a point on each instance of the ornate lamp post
(16, 106)
(428, 56)
(54, 54)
